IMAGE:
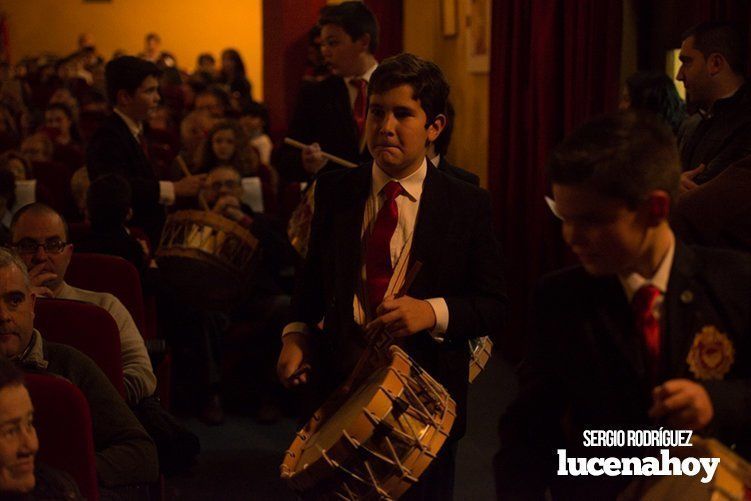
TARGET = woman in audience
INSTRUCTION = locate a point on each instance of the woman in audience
(233, 75)
(226, 144)
(18, 164)
(654, 91)
(254, 122)
(62, 129)
(20, 476)
(37, 148)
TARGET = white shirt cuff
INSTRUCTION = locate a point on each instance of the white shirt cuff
(291, 327)
(166, 192)
(441, 311)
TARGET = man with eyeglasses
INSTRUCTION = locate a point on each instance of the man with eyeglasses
(40, 238)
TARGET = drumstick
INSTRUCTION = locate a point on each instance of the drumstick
(329, 156)
(186, 173)
(368, 353)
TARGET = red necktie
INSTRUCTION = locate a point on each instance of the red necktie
(359, 109)
(647, 324)
(378, 252)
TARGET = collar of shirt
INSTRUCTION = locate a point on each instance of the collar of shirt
(634, 281)
(33, 355)
(135, 128)
(411, 184)
(365, 76)
(436, 160)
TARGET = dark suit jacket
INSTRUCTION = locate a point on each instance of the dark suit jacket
(323, 114)
(114, 150)
(457, 172)
(586, 369)
(717, 213)
(461, 263)
(720, 140)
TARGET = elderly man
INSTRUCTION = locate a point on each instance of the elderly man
(40, 237)
(125, 455)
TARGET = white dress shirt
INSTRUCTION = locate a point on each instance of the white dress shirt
(633, 282)
(166, 188)
(407, 204)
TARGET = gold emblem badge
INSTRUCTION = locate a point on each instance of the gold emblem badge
(711, 354)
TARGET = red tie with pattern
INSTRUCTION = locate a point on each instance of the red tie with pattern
(359, 109)
(647, 324)
(378, 252)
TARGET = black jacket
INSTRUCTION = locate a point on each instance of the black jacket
(586, 369)
(114, 150)
(461, 262)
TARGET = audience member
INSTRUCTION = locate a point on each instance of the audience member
(254, 120)
(713, 68)
(226, 144)
(233, 75)
(21, 476)
(61, 128)
(194, 129)
(7, 202)
(37, 148)
(17, 163)
(109, 207)
(126, 458)
(152, 52)
(622, 341)
(654, 91)
(40, 237)
(79, 184)
(212, 100)
(330, 115)
(205, 72)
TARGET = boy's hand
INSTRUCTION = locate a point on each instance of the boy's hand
(312, 160)
(683, 404)
(403, 316)
(687, 179)
(293, 365)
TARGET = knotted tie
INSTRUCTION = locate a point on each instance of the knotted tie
(378, 267)
(359, 109)
(647, 323)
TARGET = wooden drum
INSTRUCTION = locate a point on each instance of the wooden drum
(207, 258)
(378, 443)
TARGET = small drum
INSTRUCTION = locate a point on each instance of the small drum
(206, 257)
(731, 481)
(378, 443)
(480, 350)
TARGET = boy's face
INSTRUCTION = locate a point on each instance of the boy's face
(396, 131)
(340, 52)
(144, 100)
(606, 235)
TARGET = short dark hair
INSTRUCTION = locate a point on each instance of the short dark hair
(127, 73)
(655, 91)
(10, 374)
(720, 37)
(37, 208)
(109, 199)
(205, 56)
(429, 86)
(625, 155)
(355, 18)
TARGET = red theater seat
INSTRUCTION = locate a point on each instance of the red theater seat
(85, 327)
(63, 423)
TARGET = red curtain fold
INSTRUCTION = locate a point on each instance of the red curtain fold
(389, 14)
(554, 64)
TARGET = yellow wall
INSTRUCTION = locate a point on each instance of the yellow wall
(187, 28)
(469, 91)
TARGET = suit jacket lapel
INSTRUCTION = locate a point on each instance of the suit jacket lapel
(343, 110)
(432, 218)
(349, 219)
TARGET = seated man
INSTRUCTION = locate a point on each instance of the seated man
(19, 474)
(647, 332)
(40, 237)
(125, 455)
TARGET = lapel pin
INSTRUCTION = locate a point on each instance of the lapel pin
(687, 297)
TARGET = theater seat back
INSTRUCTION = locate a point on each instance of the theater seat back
(63, 423)
(87, 328)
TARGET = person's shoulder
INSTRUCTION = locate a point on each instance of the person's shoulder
(565, 279)
(102, 299)
(459, 173)
(727, 264)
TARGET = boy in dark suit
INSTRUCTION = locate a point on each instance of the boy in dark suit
(119, 146)
(647, 332)
(330, 114)
(381, 217)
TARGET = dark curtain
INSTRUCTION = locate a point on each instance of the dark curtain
(389, 16)
(554, 64)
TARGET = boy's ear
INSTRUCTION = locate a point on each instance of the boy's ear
(364, 42)
(715, 63)
(435, 128)
(658, 207)
(122, 97)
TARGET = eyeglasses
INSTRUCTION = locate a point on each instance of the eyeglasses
(229, 184)
(31, 246)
